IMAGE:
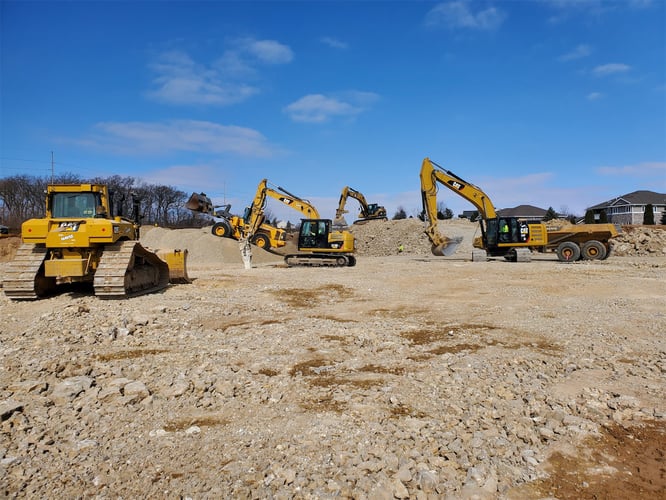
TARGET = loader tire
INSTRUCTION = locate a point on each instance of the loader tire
(221, 229)
(262, 241)
(568, 252)
(593, 250)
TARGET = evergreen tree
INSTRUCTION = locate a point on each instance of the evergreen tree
(663, 218)
(648, 215)
(603, 218)
(400, 214)
(550, 214)
(589, 217)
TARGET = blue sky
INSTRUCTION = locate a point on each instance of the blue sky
(556, 103)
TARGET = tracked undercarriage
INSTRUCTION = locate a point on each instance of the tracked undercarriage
(124, 269)
(319, 260)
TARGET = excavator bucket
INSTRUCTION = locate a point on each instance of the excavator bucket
(447, 247)
(176, 260)
(199, 202)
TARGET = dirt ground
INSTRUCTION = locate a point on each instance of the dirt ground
(406, 376)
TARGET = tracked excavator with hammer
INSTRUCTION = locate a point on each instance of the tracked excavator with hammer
(319, 244)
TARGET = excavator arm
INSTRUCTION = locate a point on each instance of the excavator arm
(431, 174)
(256, 215)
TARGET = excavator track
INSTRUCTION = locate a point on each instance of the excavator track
(126, 269)
(320, 260)
(24, 278)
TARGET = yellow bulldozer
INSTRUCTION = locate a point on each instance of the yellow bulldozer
(80, 241)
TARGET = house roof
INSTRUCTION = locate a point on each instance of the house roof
(636, 198)
(522, 211)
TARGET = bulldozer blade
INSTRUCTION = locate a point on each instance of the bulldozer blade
(177, 262)
(199, 202)
(447, 248)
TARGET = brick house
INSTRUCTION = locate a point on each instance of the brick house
(630, 208)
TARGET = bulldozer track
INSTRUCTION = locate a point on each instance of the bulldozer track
(22, 278)
(126, 269)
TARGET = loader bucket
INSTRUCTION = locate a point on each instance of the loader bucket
(199, 202)
(446, 247)
(176, 260)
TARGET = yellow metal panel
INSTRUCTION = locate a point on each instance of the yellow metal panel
(65, 267)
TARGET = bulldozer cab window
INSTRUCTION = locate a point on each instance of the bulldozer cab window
(74, 205)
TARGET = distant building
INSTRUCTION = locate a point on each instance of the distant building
(630, 208)
(469, 214)
(521, 211)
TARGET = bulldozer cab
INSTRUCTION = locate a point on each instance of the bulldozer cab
(76, 205)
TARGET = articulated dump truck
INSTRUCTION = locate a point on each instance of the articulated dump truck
(80, 241)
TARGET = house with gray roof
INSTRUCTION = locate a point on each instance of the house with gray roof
(523, 212)
(630, 208)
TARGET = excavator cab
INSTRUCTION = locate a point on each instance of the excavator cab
(314, 234)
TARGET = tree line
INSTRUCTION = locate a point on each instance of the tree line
(22, 197)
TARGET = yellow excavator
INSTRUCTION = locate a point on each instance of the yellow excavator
(80, 241)
(231, 226)
(319, 244)
(510, 237)
(369, 211)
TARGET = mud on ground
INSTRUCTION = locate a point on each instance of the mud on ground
(407, 376)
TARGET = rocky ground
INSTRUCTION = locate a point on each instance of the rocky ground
(407, 376)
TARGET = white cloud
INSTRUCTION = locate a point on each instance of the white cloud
(160, 138)
(319, 108)
(594, 96)
(180, 80)
(333, 42)
(610, 69)
(579, 52)
(267, 51)
(459, 14)
(647, 169)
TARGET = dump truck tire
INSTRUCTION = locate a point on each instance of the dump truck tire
(568, 252)
(593, 250)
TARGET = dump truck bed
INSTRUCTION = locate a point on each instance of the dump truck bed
(580, 233)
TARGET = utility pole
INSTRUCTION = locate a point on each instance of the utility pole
(51, 167)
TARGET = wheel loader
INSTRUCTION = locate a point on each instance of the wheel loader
(228, 225)
(80, 241)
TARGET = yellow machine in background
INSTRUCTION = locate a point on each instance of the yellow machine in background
(319, 244)
(231, 226)
(508, 237)
(369, 211)
(79, 240)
